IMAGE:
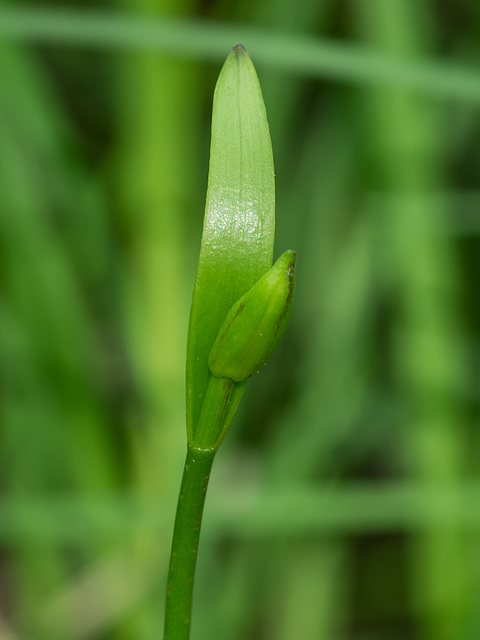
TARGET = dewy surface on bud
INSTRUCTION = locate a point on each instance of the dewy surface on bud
(255, 323)
(238, 233)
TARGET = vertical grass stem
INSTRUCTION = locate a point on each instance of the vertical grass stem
(186, 535)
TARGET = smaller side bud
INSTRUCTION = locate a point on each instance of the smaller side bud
(255, 323)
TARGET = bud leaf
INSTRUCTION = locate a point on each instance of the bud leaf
(238, 229)
(255, 323)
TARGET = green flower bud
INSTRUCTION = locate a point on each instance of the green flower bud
(255, 323)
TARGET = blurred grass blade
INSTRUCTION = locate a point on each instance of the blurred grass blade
(208, 40)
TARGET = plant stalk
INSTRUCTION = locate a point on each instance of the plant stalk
(186, 535)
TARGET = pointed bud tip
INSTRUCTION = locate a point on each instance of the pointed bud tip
(239, 52)
(291, 255)
(239, 49)
(288, 260)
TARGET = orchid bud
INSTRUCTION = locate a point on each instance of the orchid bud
(255, 323)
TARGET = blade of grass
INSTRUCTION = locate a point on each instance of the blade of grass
(207, 40)
(50, 406)
(336, 295)
(311, 595)
(424, 273)
(156, 119)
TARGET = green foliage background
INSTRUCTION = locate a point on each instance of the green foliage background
(344, 504)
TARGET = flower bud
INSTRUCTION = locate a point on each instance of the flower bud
(255, 323)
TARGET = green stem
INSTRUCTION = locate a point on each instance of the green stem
(208, 431)
(185, 543)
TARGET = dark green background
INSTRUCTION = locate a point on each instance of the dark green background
(344, 504)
